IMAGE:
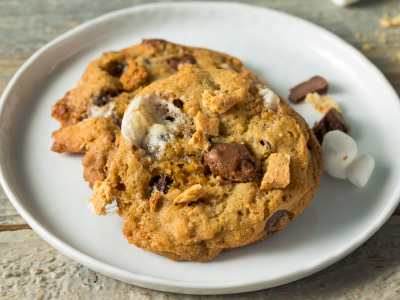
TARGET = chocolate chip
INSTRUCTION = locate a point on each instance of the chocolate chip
(178, 103)
(272, 222)
(177, 61)
(115, 68)
(104, 98)
(316, 84)
(266, 144)
(333, 120)
(161, 183)
(232, 162)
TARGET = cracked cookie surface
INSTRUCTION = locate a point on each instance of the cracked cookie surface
(107, 86)
(187, 201)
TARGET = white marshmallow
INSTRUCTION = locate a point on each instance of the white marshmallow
(360, 170)
(146, 122)
(270, 99)
(344, 3)
(339, 152)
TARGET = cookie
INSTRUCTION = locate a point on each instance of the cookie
(106, 88)
(208, 161)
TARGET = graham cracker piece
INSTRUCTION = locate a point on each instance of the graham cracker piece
(154, 201)
(277, 175)
(190, 195)
(219, 102)
(200, 141)
(322, 103)
(207, 125)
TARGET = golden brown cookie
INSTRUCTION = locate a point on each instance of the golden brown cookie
(110, 82)
(208, 161)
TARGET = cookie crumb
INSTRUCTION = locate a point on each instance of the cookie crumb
(208, 126)
(322, 103)
(387, 22)
(200, 141)
(277, 175)
(154, 200)
(190, 195)
(367, 47)
(383, 38)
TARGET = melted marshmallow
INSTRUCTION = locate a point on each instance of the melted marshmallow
(145, 123)
(270, 99)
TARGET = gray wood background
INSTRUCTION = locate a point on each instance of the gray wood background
(31, 269)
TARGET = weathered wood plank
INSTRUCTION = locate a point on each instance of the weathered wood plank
(8, 214)
(32, 269)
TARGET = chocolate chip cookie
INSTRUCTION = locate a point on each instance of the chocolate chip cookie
(91, 113)
(208, 161)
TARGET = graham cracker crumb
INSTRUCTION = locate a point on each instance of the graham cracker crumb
(277, 175)
(367, 47)
(383, 38)
(200, 141)
(219, 102)
(384, 23)
(154, 200)
(322, 103)
(207, 125)
(387, 21)
(190, 195)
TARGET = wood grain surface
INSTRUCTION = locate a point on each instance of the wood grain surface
(32, 269)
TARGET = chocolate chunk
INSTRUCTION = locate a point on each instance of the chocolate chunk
(161, 183)
(273, 221)
(333, 120)
(316, 84)
(115, 68)
(177, 61)
(232, 162)
(104, 98)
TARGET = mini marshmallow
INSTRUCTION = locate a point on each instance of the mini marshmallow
(360, 170)
(339, 152)
(344, 3)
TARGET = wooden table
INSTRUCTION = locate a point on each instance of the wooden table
(32, 269)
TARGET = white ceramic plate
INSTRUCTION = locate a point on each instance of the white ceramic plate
(49, 192)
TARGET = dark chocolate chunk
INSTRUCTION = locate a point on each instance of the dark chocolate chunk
(115, 68)
(333, 120)
(161, 183)
(176, 61)
(104, 98)
(316, 84)
(273, 221)
(232, 162)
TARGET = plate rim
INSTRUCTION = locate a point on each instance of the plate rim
(170, 285)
